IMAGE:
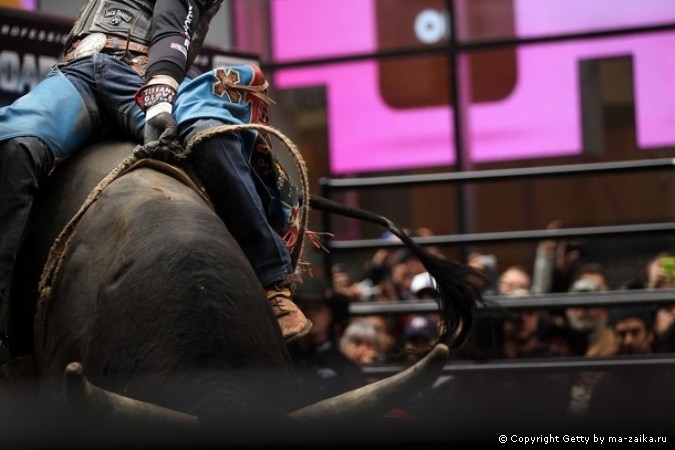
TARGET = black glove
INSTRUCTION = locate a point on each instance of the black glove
(156, 101)
(172, 152)
(161, 127)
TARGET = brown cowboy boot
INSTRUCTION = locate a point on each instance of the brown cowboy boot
(292, 321)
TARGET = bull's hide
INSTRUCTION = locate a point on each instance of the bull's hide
(153, 297)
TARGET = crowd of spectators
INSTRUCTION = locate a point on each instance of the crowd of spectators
(587, 331)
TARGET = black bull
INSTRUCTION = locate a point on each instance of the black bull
(155, 301)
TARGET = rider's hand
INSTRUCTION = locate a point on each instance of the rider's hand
(160, 128)
(160, 138)
(156, 101)
(171, 152)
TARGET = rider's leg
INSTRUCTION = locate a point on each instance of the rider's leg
(23, 160)
(222, 167)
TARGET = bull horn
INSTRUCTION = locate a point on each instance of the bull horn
(379, 397)
(119, 408)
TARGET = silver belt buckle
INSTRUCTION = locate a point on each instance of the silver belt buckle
(91, 44)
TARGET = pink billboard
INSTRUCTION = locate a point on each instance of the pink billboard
(535, 111)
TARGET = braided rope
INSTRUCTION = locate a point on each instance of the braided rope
(58, 250)
(60, 244)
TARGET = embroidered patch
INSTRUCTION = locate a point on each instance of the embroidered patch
(116, 16)
(224, 78)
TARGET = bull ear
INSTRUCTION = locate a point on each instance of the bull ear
(118, 408)
(378, 398)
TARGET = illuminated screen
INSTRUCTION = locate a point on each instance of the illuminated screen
(528, 107)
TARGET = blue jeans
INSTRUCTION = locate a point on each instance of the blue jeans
(224, 163)
(227, 176)
(76, 103)
(92, 96)
(71, 106)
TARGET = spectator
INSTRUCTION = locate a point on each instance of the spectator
(324, 371)
(556, 263)
(661, 272)
(593, 321)
(360, 342)
(636, 397)
(386, 330)
(344, 284)
(423, 287)
(661, 275)
(596, 273)
(563, 340)
(633, 329)
(664, 329)
(486, 265)
(420, 333)
(404, 268)
(522, 331)
(378, 270)
(390, 271)
(514, 279)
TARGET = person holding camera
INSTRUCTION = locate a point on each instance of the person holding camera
(661, 275)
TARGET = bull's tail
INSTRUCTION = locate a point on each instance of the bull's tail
(458, 294)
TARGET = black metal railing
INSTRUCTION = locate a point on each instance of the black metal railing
(542, 301)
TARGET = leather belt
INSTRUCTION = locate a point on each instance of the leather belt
(98, 42)
(135, 54)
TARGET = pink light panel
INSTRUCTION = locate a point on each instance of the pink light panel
(540, 117)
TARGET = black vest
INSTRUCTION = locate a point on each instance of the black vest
(123, 18)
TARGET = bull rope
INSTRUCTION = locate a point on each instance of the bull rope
(62, 242)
